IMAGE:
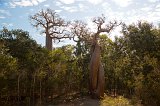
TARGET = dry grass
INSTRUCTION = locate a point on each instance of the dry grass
(117, 101)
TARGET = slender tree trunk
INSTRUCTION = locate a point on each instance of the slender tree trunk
(30, 94)
(18, 88)
(40, 83)
(34, 80)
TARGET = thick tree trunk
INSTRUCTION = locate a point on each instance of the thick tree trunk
(96, 74)
(94, 66)
(48, 42)
(101, 82)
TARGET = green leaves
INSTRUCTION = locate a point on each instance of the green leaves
(131, 64)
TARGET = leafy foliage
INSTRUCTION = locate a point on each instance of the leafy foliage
(30, 73)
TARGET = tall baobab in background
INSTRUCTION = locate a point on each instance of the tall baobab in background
(52, 25)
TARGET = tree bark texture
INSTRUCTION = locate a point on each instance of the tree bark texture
(48, 42)
(96, 74)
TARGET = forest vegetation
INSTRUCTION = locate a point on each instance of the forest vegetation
(31, 74)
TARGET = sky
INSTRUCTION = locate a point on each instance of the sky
(14, 14)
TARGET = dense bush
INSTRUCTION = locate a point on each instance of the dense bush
(31, 74)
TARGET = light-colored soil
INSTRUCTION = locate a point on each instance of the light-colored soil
(106, 101)
(85, 101)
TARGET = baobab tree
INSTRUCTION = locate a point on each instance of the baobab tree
(96, 74)
(96, 71)
(51, 25)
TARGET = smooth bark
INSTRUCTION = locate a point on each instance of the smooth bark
(96, 74)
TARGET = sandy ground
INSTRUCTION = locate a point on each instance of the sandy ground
(85, 101)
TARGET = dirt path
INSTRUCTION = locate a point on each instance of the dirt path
(107, 101)
(85, 101)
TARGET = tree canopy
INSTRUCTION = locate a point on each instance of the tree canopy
(34, 75)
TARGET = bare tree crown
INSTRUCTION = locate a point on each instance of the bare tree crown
(100, 21)
(50, 21)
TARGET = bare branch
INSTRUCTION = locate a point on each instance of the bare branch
(38, 22)
(53, 26)
(80, 31)
(100, 21)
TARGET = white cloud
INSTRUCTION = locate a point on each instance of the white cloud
(2, 17)
(70, 9)
(58, 11)
(34, 2)
(153, 16)
(58, 4)
(41, 1)
(76, 8)
(153, 1)
(115, 33)
(25, 3)
(105, 5)
(90, 24)
(146, 9)
(5, 13)
(110, 14)
(12, 5)
(67, 1)
(146, 12)
(46, 5)
(142, 13)
(123, 3)
(137, 15)
(157, 8)
(95, 2)
(82, 7)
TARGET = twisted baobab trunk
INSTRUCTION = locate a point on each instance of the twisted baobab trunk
(96, 71)
(96, 74)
